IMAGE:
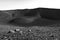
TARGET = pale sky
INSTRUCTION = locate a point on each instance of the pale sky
(22, 4)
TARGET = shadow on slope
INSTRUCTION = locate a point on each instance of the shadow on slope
(38, 22)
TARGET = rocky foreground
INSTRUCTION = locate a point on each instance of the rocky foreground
(31, 33)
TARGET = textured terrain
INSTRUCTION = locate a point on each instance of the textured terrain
(31, 33)
(45, 27)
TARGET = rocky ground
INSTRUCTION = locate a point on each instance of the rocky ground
(29, 33)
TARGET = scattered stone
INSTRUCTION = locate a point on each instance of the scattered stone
(12, 31)
(29, 34)
(17, 30)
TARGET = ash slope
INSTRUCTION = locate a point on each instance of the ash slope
(48, 16)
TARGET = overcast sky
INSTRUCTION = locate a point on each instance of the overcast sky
(22, 4)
